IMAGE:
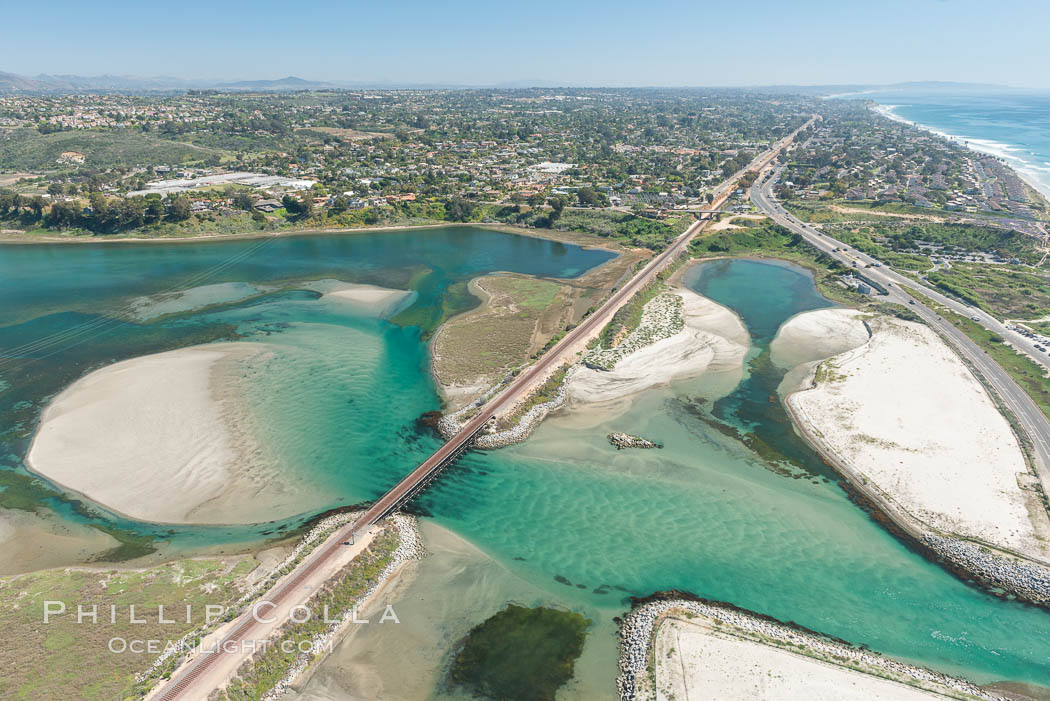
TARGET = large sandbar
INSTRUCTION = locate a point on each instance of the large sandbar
(160, 438)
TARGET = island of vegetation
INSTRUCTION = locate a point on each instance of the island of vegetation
(524, 654)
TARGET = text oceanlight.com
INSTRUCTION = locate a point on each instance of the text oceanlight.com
(262, 612)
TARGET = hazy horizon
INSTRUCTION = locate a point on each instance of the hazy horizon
(616, 44)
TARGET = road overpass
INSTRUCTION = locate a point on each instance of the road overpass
(195, 679)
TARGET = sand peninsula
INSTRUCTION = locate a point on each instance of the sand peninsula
(164, 437)
(709, 338)
(915, 432)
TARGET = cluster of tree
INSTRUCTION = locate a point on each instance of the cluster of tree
(102, 216)
(589, 197)
(105, 216)
(14, 205)
(459, 209)
(47, 128)
(302, 208)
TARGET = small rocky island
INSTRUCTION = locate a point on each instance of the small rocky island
(626, 440)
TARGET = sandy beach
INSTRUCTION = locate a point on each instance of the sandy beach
(158, 438)
(909, 419)
(712, 339)
(720, 666)
(818, 335)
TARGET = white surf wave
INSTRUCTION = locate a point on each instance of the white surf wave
(1035, 175)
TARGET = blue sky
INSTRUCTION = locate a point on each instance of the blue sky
(610, 43)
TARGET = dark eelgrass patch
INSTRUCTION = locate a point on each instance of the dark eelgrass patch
(521, 654)
(132, 545)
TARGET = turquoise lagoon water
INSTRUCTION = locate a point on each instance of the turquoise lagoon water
(357, 383)
(565, 512)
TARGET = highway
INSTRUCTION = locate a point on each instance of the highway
(194, 679)
(1031, 419)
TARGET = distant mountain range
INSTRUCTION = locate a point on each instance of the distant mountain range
(43, 83)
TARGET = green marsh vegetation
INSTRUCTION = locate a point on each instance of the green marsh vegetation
(521, 654)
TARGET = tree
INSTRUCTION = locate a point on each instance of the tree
(36, 204)
(154, 210)
(291, 204)
(62, 215)
(589, 197)
(179, 208)
(558, 203)
(459, 209)
(7, 200)
(339, 205)
(243, 200)
(54, 189)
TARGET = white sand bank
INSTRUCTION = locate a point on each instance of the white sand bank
(905, 414)
(818, 335)
(157, 438)
(696, 661)
(365, 299)
(712, 339)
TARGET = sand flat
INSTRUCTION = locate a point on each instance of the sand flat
(696, 662)
(818, 335)
(712, 339)
(365, 299)
(906, 414)
(153, 438)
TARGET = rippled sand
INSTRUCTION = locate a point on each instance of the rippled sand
(159, 438)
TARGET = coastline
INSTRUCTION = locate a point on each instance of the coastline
(978, 145)
(15, 237)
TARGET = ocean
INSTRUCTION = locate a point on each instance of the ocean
(1012, 126)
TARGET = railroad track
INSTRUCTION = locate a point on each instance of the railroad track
(424, 474)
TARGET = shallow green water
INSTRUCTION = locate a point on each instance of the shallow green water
(705, 515)
(337, 404)
(577, 520)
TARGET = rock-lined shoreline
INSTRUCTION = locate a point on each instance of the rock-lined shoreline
(410, 547)
(450, 424)
(322, 528)
(636, 637)
(1027, 581)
